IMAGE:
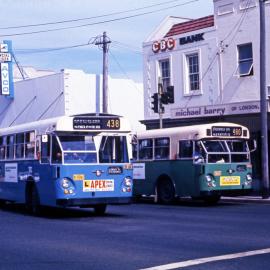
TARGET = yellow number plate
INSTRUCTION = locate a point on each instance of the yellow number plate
(229, 180)
(98, 185)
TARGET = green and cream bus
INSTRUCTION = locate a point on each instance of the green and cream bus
(201, 161)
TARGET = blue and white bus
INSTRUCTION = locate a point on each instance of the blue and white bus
(81, 160)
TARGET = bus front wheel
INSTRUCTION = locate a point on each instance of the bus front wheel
(100, 209)
(165, 191)
(32, 200)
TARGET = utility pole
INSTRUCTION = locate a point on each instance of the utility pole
(264, 104)
(104, 42)
(160, 106)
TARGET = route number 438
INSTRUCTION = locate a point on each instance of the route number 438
(113, 124)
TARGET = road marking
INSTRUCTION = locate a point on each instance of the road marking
(209, 259)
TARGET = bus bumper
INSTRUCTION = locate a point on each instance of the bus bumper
(231, 193)
(91, 202)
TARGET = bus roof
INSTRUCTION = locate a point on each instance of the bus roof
(79, 123)
(219, 130)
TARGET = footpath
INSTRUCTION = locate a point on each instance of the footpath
(246, 199)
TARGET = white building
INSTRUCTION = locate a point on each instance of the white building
(48, 94)
(213, 64)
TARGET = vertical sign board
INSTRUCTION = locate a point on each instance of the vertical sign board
(6, 71)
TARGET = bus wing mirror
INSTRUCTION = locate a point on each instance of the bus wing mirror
(252, 145)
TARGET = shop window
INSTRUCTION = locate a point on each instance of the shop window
(192, 70)
(165, 73)
(146, 149)
(245, 60)
(162, 148)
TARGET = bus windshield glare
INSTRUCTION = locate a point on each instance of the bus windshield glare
(78, 149)
(82, 149)
(216, 151)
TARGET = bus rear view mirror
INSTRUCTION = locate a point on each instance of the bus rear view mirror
(252, 144)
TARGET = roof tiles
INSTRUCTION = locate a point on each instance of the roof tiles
(190, 26)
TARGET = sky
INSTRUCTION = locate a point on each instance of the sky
(127, 35)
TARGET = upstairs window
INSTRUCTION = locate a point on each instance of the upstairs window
(192, 74)
(245, 60)
(165, 73)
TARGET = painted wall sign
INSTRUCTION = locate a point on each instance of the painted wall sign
(6, 72)
(163, 45)
(4, 79)
(191, 39)
(217, 110)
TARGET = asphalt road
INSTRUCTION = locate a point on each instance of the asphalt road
(136, 236)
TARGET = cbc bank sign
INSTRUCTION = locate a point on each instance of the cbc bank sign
(6, 76)
(163, 45)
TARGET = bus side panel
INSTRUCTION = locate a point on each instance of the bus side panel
(46, 184)
(11, 188)
(153, 170)
(183, 174)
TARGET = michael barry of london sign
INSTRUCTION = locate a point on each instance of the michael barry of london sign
(6, 72)
(217, 110)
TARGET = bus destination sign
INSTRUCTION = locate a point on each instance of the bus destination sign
(227, 131)
(95, 123)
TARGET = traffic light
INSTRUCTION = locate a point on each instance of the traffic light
(164, 98)
(155, 102)
(170, 94)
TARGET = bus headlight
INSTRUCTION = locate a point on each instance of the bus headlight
(211, 182)
(208, 178)
(128, 181)
(127, 184)
(65, 183)
(248, 179)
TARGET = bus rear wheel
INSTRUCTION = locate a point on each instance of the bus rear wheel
(165, 191)
(100, 209)
(32, 200)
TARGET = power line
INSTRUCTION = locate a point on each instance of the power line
(45, 50)
(134, 49)
(100, 22)
(88, 18)
(124, 72)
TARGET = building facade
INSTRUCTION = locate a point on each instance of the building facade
(213, 63)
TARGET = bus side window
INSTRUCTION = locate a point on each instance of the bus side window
(45, 149)
(30, 144)
(185, 149)
(162, 148)
(2, 147)
(10, 147)
(146, 149)
(56, 151)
